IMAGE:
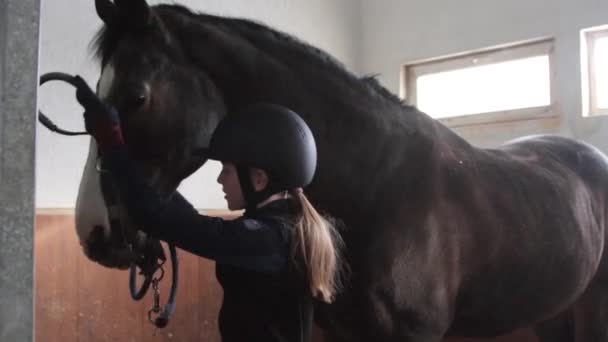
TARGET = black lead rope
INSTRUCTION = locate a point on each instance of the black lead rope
(164, 313)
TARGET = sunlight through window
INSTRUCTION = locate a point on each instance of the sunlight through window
(514, 84)
(601, 72)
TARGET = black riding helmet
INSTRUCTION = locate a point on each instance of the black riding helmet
(269, 137)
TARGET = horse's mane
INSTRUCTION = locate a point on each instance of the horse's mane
(251, 28)
(107, 38)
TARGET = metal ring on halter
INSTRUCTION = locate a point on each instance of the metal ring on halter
(148, 279)
(44, 120)
(136, 293)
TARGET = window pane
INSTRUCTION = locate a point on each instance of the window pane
(520, 83)
(601, 72)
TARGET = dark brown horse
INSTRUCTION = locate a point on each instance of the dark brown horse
(443, 238)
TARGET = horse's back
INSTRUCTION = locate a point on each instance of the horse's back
(581, 157)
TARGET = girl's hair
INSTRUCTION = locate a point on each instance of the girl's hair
(318, 245)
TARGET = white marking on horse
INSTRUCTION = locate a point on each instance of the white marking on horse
(106, 80)
(91, 210)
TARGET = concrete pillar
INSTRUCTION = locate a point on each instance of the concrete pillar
(19, 41)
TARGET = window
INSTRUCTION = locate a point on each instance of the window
(505, 84)
(595, 78)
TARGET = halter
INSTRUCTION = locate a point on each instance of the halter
(148, 267)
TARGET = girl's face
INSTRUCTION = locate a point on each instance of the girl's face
(231, 186)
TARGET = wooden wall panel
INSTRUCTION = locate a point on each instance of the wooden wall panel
(79, 300)
(56, 280)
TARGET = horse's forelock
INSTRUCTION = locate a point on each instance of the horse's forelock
(106, 40)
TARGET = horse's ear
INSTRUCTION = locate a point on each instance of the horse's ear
(137, 11)
(107, 11)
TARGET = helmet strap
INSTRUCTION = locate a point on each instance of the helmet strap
(253, 198)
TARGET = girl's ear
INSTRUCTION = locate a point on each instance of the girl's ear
(259, 179)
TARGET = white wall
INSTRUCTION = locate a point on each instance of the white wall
(66, 29)
(398, 31)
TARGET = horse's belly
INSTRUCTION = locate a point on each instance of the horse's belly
(516, 297)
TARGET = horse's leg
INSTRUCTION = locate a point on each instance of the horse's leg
(557, 329)
(374, 330)
(405, 299)
(379, 311)
(415, 322)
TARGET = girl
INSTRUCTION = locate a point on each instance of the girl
(274, 260)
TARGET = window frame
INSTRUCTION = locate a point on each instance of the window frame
(539, 47)
(590, 92)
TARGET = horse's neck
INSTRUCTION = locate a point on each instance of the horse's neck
(252, 63)
(367, 140)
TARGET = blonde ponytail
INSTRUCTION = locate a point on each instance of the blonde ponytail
(318, 245)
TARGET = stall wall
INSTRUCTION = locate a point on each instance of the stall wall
(79, 300)
(395, 32)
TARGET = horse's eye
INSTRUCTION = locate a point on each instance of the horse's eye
(140, 101)
(136, 103)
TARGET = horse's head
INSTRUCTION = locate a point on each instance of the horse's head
(168, 112)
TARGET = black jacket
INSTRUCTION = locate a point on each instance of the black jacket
(266, 296)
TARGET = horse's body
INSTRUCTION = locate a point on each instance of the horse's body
(442, 238)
